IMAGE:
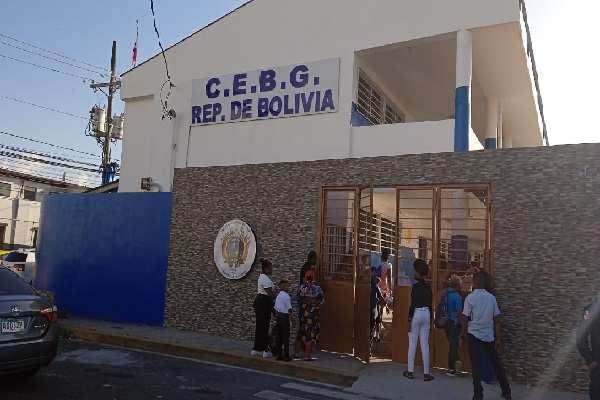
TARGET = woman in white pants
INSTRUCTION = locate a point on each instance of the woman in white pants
(419, 320)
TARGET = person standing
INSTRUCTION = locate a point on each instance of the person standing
(419, 319)
(283, 307)
(588, 333)
(309, 265)
(263, 304)
(453, 327)
(310, 298)
(480, 319)
(375, 299)
(385, 272)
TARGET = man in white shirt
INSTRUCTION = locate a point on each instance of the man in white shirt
(283, 307)
(480, 319)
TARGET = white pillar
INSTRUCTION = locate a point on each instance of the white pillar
(464, 73)
(491, 136)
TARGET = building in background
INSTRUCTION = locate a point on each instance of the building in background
(405, 77)
(20, 199)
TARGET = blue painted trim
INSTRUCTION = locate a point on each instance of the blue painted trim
(461, 117)
(491, 144)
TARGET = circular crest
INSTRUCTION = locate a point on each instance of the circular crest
(235, 249)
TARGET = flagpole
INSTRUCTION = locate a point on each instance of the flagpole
(135, 46)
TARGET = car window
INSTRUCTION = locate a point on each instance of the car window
(11, 284)
(16, 257)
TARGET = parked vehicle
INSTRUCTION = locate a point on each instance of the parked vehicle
(3, 254)
(28, 327)
(22, 263)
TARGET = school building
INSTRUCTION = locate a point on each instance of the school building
(349, 127)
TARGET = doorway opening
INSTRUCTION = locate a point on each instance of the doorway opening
(449, 226)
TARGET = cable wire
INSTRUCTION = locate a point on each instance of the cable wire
(85, 79)
(42, 107)
(166, 113)
(52, 52)
(50, 144)
(53, 59)
(41, 154)
(28, 158)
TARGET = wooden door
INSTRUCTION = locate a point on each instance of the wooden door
(337, 257)
(362, 299)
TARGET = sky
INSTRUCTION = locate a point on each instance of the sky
(564, 35)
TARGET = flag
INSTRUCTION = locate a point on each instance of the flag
(135, 46)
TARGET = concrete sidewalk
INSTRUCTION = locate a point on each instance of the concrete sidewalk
(379, 379)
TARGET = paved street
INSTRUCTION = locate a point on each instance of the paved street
(96, 372)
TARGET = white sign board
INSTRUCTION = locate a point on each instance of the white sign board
(235, 249)
(300, 89)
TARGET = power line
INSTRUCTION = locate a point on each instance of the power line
(52, 58)
(52, 52)
(28, 158)
(34, 167)
(166, 112)
(47, 68)
(39, 153)
(30, 168)
(48, 144)
(42, 107)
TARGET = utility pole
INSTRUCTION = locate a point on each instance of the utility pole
(108, 168)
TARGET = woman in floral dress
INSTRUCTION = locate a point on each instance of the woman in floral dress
(310, 298)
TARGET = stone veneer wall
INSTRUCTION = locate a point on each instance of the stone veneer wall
(546, 240)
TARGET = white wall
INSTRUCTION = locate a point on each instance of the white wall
(272, 33)
(414, 138)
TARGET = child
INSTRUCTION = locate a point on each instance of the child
(283, 307)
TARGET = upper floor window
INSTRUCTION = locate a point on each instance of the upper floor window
(29, 193)
(5, 189)
(375, 106)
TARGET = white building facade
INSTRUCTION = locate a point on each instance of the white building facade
(20, 202)
(279, 81)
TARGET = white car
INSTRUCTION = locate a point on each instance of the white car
(21, 262)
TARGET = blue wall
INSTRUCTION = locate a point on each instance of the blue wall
(105, 255)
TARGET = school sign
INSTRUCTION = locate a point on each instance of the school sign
(294, 90)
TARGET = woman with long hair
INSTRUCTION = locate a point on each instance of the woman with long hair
(310, 298)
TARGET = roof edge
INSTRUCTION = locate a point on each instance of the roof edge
(189, 36)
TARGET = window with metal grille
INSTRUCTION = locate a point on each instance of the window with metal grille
(5, 189)
(388, 234)
(375, 106)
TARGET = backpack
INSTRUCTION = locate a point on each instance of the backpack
(380, 269)
(441, 312)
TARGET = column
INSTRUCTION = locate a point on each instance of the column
(491, 137)
(464, 72)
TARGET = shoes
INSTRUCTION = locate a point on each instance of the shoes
(267, 354)
(458, 367)
(451, 373)
(256, 353)
(427, 377)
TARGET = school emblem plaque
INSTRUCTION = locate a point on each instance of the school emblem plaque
(235, 249)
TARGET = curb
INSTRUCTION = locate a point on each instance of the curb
(294, 370)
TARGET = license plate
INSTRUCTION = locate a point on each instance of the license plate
(13, 325)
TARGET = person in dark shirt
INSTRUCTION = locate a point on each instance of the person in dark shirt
(310, 263)
(588, 333)
(376, 298)
(419, 319)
